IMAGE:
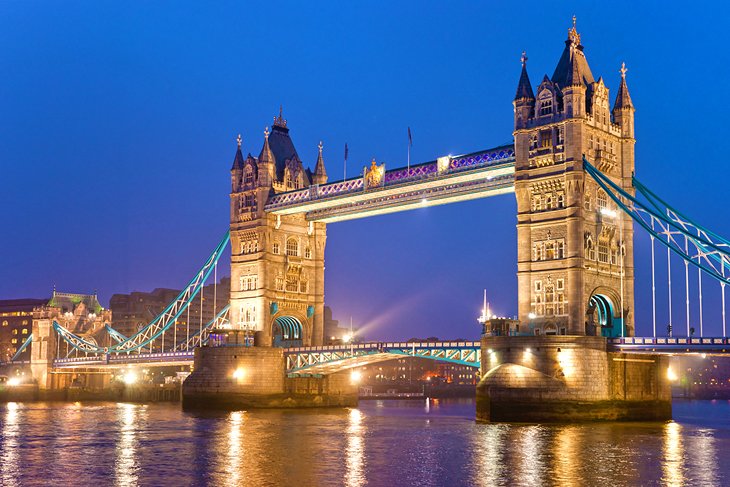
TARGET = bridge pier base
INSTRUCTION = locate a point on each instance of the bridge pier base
(255, 377)
(569, 378)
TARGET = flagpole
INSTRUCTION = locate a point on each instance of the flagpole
(410, 142)
(344, 172)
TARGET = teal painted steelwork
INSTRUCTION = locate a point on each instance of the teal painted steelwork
(22, 348)
(678, 224)
(162, 322)
(118, 337)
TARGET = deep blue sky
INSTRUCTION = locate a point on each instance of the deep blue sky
(118, 125)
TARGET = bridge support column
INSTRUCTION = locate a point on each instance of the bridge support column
(569, 378)
(255, 377)
(43, 350)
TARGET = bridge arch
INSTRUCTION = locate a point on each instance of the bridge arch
(603, 313)
(287, 331)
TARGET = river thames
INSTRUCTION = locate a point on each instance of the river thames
(434, 442)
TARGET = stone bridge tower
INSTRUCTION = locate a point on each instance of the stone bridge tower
(574, 245)
(277, 263)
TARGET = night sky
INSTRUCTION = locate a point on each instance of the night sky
(118, 124)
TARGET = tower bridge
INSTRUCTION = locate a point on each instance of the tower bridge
(571, 168)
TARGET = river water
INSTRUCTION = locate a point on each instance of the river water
(388, 443)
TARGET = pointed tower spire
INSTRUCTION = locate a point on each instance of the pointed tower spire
(572, 68)
(320, 173)
(524, 88)
(623, 99)
(266, 155)
(238, 159)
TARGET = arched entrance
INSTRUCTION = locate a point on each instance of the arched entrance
(601, 317)
(286, 332)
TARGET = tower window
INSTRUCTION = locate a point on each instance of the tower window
(308, 253)
(546, 107)
(603, 251)
(248, 177)
(292, 247)
(601, 200)
(276, 248)
(546, 138)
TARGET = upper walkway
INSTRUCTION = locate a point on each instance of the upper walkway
(445, 180)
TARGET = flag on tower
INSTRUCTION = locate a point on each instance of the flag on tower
(344, 173)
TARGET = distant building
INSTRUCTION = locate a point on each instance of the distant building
(16, 322)
(401, 370)
(132, 311)
(16, 318)
(457, 374)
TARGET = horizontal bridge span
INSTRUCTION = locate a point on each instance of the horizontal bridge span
(330, 359)
(671, 345)
(446, 180)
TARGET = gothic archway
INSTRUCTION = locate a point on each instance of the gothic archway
(601, 317)
(287, 331)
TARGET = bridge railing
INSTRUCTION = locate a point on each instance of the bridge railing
(424, 171)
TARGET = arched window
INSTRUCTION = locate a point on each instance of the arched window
(287, 179)
(601, 199)
(546, 106)
(603, 251)
(292, 247)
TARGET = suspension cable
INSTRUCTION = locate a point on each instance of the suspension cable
(669, 284)
(686, 282)
(653, 285)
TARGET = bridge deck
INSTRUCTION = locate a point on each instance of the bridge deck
(446, 180)
(329, 359)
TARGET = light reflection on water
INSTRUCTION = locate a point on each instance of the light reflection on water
(379, 443)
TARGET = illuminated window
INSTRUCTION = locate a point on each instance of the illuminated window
(5, 323)
(15, 332)
(25, 322)
(292, 247)
(14, 341)
(276, 249)
(292, 284)
(308, 253)
(25, 331)
(601, 200)
(546, 138)
(603, 251)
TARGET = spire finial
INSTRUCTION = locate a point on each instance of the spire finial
(573, 35)
(320, 147)
(279, 121)
(623, 70)
(266, 133)
(523, 59)
(239, 140)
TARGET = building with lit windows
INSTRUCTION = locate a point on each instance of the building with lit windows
(16, 323)
(132, 311)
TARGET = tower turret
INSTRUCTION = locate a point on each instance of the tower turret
(524, 101)
(320, 174)
(267, 162)
(623, 108)
(237, 168)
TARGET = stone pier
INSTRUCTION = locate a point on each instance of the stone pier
(569, 378)
(255, 377)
